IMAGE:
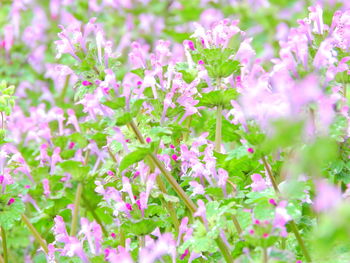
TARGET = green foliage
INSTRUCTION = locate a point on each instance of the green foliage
(217, 62)
(10, 214)
(188, 74)
(75, 168)
(7, 100)
(133, 157)
(142, 227)
(217, 98)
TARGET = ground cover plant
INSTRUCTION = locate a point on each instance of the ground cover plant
(174, 131)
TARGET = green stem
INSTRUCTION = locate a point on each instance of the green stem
(160, 183)
(65, 88)
(300, 240)
(188, 125)
(218, 140)
(95, 216)
(224, 250)
(237, 225)
(35, 233)
(4, 244)
(74, 225)
(269, 173)
(169, 205)
(264, 254)
(218, 130)
(344, 90)
(121, 237)
(283, 243)
(180, 192)
(293, 225)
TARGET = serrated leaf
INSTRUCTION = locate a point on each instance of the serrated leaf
(218, 97)
(264, 210)
(11, 213)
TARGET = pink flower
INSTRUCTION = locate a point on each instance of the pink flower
(315, 16)
(56, 158)
(46, 187)
(120, 255)
(281, 218)
(327, 198)
(93, 234)
(198, 189)
(155, 249)
(9, 37)
(259, 184)
(44, 157)
(127, 188)
(201, 212)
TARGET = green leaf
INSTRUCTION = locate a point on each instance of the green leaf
(188, 74)
(143, 227)
(117, 103)
(286, 134)
(204, 244)
(139, 72)
(264, 210)
(124, 119)
(228, 130)
(214, 192)
(10, 213)
(294, 210)
(136, 107)
(281, 255)
(79, 139)
(228, 68)
(75, 168)
(218, 97)
(171, 198)
(133, 157)
(100, 139)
